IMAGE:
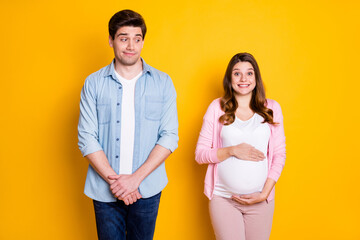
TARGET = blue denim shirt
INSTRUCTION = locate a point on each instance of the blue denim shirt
(99, 125)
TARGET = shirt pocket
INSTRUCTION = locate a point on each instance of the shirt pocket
(153, 107)
(103, 113)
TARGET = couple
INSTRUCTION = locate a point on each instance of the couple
(128, 126)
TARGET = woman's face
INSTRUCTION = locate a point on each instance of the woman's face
(243, 79)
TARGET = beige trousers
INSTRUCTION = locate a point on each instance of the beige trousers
(234, 221)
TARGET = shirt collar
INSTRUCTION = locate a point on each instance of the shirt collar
(110, 71)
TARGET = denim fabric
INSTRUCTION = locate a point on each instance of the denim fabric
(99, 125)
(116, 221)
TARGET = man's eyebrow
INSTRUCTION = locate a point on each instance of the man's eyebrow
(122, 34)
(126, 34)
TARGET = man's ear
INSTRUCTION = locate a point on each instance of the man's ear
(111, 41)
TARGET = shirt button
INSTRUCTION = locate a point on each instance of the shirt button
(119, 87)
(118, 121)
(117, 139)
(116, 156)
(118, 104)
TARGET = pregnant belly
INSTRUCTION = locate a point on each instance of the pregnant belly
(242, 177)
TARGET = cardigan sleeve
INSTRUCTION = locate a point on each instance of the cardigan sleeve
(206, 152)
(279, 152)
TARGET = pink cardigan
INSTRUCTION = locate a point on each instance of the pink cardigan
(209, 142)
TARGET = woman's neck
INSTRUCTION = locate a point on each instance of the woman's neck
(243, 101)
(243, 111)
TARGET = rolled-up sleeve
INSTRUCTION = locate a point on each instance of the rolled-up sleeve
(168, 130)
(88, 123)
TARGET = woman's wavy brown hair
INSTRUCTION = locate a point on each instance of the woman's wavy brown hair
(228, 102)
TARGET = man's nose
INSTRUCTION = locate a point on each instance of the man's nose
(130, 45)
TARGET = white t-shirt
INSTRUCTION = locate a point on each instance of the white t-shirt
(236, 176)
(127, 123)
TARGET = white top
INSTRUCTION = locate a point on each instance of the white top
(127, 123)
(236, 176)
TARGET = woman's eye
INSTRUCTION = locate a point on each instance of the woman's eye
(236, 74)
(250, 73)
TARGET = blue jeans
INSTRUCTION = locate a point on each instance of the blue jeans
(116, 221)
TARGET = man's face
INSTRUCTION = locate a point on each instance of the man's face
(127, 45)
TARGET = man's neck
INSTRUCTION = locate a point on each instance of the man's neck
(128, 72)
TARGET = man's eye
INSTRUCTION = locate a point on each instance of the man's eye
(137, 40)
(123, 39)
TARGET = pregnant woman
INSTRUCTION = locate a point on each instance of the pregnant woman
(242, 141)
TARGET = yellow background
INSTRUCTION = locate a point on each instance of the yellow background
(308, 52)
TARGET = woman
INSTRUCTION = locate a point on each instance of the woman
(242, 141)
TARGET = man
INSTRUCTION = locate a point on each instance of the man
(127, 128)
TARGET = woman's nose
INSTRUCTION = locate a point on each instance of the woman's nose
(242, 78)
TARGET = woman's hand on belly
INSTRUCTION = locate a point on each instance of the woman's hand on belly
(249, 199)
(245, 151)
